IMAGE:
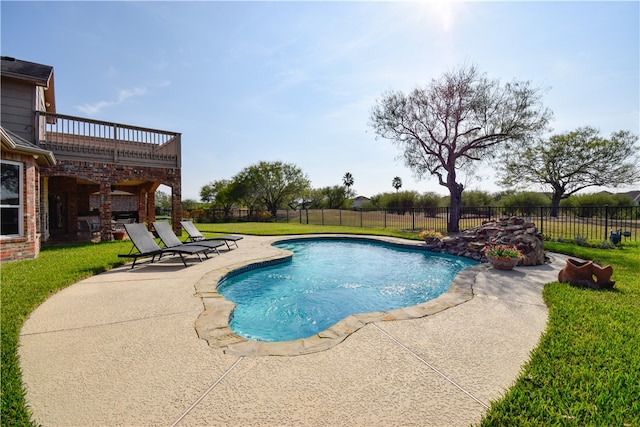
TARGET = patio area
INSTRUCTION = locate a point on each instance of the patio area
(121, 348)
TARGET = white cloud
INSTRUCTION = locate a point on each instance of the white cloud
(123, 95)
(92, 109)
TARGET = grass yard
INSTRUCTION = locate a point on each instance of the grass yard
(594, 229)
(586, 368)
(585, 371)
(276, 229)
(25, 285)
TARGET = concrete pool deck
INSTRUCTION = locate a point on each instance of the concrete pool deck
(122, 348)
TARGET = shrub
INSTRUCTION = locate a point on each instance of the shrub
(399, 202)
(524, 203)
(606, 244)
(429, 203)
(597, 199)
(430, 233)
(581, 240)
(476, 198)
(593, 205)
(197, 214)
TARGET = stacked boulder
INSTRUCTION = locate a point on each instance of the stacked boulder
(512, 231)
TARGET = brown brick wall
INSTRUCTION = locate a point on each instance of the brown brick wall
(28, 245)
(108, 172)
(118, 203)
(108, 176)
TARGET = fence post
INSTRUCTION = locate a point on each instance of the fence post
(340, 216)
(606, 221)
(413, 218)
(322, 215)
(307, 210)
(300, 215)
(385, 217)
(542, 220)
(447, 214)
(360, 218)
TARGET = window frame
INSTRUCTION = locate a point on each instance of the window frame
(20, 206)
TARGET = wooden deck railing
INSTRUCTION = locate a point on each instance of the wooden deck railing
(76, 138)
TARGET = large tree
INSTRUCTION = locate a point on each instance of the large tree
(209, 192)
(569, 162)
(162, 202)
(222, 194)
(189, 204)
(456, 121)
(272, 184)
(334, 197)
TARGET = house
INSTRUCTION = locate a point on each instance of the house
(60, 172)
(635, 197)
(359, 201)
(21, 163)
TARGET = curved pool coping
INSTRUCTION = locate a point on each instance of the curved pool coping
(213, 323)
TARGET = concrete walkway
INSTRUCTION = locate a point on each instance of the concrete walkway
(121, 348)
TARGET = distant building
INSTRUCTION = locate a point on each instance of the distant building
(359, 201)
(635, 197)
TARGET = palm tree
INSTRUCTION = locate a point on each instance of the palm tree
(347, 180)
(397, 183)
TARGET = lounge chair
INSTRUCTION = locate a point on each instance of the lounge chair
(147, 247)
(196, 236)
(170, 240)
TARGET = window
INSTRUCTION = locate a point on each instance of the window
(11, 199)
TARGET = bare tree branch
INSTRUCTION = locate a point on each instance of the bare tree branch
(456, 120)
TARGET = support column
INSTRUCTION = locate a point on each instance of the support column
(151, 209)
(142, 205)
(105, 212)
(72, 208)
(44, 209)
(176, 209)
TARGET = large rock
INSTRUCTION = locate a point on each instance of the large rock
(507, 231)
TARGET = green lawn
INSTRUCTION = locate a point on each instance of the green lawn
(563, 227)
(25, 285)
(586, 370)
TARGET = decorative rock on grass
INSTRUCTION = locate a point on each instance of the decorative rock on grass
(582, 273)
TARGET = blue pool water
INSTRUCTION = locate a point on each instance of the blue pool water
(327, 280)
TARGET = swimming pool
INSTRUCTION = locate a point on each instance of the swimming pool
(327, 280)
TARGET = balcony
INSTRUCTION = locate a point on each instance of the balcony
(79, 139)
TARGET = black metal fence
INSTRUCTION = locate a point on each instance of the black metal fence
(589, 222)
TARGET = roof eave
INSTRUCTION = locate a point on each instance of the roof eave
(26, 78)
(50, 95)
(43, 157)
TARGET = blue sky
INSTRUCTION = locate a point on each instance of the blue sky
(295, 81)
